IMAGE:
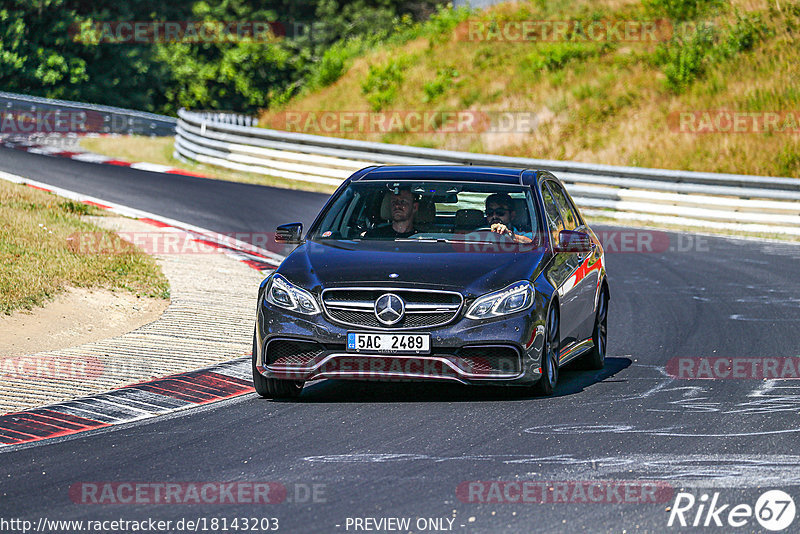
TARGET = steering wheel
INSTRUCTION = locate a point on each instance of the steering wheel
(494, 235)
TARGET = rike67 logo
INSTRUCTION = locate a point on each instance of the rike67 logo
(774, 510)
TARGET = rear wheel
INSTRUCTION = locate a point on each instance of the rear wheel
(272, 388)
(547, 384)
(596, 358)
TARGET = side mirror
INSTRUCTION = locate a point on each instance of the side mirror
(573, 241)
(289, 233)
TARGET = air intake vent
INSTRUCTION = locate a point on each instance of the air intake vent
(292, 352)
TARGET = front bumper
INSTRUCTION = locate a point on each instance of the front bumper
(465, 351)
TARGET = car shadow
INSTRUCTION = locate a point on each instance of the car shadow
(572, 380)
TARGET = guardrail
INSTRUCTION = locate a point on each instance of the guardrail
(24, 115)
(760, 204)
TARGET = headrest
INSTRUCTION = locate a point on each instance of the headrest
(386, 206)
(470, 219)
(427, 211)
(521, 220)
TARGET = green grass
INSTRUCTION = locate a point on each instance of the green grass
(39, 257)
(602, 102)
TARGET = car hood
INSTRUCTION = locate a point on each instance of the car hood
(474, 271)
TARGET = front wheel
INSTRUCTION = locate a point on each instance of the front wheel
(272, 388)
(596, 358)
(547, 384)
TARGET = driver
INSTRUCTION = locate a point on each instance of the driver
(500, 213)
(404, 206)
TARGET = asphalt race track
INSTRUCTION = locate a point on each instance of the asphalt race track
(352, 450)
(212, 204)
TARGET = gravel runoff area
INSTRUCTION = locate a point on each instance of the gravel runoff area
(209, 320)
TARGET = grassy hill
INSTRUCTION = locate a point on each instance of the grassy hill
(47, 245)
(642, 101)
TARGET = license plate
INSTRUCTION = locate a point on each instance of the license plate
(388, 343)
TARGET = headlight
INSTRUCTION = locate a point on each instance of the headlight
(283, 294)
(515, 298)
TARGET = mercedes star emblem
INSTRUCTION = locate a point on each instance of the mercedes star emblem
(389, 308)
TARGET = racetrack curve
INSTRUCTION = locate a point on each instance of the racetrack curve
(402, 450)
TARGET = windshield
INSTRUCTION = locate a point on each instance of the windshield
(422, 210)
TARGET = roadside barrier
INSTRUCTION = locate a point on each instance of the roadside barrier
(695, 199)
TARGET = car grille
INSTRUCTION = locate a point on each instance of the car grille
(424, 308)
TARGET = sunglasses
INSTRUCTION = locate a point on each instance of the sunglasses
(499, 211)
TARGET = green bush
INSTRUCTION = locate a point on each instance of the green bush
(335, 61)
(331, 65)
(382, 82)
(789, 162)
(441, 25)
(686, 57)
(445, 79)
(681, 9)
(685, 60)
(554, 56)
(743, 35)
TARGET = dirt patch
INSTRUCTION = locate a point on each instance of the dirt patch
(75, 317)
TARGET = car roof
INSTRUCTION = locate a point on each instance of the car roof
(446, 173)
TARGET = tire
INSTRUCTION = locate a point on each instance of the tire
(272, 388)
(547, 383)
(596, 358)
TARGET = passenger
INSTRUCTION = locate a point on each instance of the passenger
(500, 213)
(404, 206)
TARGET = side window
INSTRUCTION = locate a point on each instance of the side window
(554, 222)
(571, 219)
(336, 216)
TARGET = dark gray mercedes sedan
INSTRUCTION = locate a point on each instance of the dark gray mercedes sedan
(472, 275)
